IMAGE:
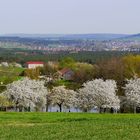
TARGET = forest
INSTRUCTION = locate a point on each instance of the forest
(22, 56)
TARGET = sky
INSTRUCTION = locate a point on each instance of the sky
(69, 16)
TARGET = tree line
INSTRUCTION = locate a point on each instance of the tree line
(33, 95)
(117, 69)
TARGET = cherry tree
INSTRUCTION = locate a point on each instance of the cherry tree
(132, 92)
(98, 93)
(62, 97)
(84, 99)
(27, 93)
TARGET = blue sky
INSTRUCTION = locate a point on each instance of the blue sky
(69, 16)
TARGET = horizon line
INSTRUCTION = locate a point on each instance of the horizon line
(67, 33)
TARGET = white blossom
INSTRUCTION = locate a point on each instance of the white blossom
(62, 97)
(27, 93)
(84, 100)
(132, 92)
(98, 93)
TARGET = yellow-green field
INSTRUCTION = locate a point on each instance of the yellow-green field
(9, 74)
(69, 126)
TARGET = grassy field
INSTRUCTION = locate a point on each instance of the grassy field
(9, 73)
(68, 126)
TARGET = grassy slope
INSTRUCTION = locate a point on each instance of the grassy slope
(68, 126)
(7, 73)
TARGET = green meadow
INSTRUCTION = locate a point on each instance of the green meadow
(9, 74)
(69, 126)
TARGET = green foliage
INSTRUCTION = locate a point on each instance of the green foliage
(132, 66)
(32, 73)
(49, 69)
(4, 102)
(8, 75)
(67, 62)
(83, 72)
(22, 56)
(69, 126)
(112, 69)
(67, 84)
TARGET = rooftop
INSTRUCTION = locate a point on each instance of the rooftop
(34, 62)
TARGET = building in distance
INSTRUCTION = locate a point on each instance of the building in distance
(34, 64)
(66, 74)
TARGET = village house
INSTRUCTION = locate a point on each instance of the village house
(66, 74)
(34, 64)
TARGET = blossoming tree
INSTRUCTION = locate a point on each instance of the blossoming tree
(27, 93)
(98, 93)
(62, 97)
(132, 92)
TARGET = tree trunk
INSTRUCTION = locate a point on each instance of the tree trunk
(60, 107)
(85, 110)
(6, 109)
(29, 109)
(100, 110)
(104, 110)
(47, 107)
(21, 109)
(17, 109)
(112, 110)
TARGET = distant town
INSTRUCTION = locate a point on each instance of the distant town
(73, 44)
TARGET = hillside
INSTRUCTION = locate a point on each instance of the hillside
(135, 37)
(99, 36)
